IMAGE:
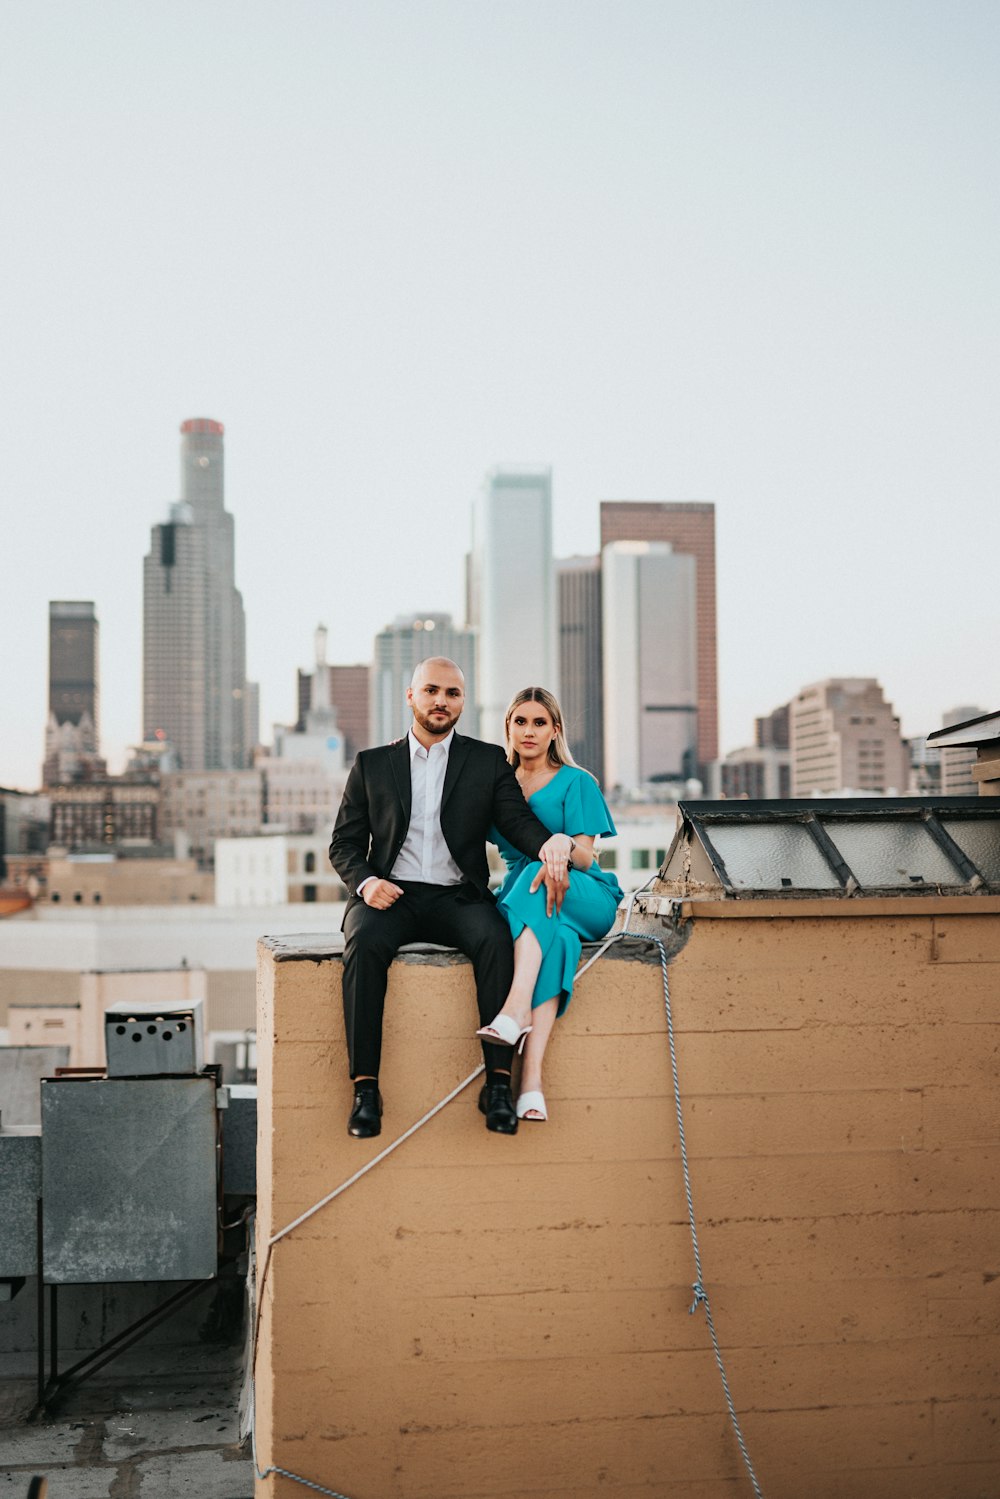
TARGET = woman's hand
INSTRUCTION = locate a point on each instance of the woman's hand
(555, 856)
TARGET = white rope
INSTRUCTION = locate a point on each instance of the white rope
(443, 1103)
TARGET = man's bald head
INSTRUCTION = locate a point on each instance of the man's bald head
(434, 666)
(436, 695)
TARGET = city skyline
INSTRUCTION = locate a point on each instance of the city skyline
(202, 436)
(675, 252)
(196, 433)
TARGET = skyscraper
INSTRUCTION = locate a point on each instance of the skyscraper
(689, 527)
(71, 733)
(194, 653)
(512, 596)
(399, 649)
(350, 692)
(581, 696)
(650, 664)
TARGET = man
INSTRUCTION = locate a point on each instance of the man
(409, 843)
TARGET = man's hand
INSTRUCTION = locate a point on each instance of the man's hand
(380, 894)
(554, 873)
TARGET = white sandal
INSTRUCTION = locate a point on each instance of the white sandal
(533, 1103)
(503, 1031)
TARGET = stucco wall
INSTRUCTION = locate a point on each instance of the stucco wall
(491, 1316)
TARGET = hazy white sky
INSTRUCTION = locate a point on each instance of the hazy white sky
(737, 250)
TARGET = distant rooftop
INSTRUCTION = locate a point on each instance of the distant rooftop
(974, 731)
(203, 426)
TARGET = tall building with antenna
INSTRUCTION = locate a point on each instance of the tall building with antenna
(194, 651)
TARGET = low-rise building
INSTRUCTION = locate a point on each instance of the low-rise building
(274, 869)
(125, 878)
(209, 804)
(639, 847)
(105, 811)
(45, 950)
(758, 771)
(79, 1023)
(302, 796)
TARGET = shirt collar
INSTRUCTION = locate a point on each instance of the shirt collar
(416, 748)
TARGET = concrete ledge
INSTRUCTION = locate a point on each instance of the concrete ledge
(310, 948)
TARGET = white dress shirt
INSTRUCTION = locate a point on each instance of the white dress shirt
(425, 855)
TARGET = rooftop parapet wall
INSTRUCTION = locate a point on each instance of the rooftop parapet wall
(484, 1316)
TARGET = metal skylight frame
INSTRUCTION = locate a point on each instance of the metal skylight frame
(821, 817)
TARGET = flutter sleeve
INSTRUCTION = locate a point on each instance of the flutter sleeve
(585, 811)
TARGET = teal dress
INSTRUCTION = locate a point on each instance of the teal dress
(570, 803)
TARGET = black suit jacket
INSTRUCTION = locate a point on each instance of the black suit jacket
(480, 789)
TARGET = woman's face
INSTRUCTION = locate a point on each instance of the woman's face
(531, 731)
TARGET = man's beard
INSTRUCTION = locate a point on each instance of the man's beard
(436, 725)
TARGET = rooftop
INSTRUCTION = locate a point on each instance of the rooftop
(160, 1422)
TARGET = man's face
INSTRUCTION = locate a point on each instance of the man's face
(437, 699)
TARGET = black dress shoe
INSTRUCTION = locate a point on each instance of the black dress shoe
(497, 1102)
(366, 1116)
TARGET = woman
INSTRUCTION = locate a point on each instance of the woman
(547, 948)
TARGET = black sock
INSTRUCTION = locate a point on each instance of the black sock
(366, 1085)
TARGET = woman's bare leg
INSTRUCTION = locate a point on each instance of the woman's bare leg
(527, 962)
(543, 1018)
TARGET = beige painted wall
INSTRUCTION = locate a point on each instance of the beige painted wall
(47, 1025)
(509, 1317)
(80, 1024)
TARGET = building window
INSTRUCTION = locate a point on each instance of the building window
(640, 858)
(608, 858)
(309, 893)
(310, 864)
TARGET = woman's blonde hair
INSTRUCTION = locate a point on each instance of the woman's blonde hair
(558, 750)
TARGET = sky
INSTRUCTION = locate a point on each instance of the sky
(712, 250)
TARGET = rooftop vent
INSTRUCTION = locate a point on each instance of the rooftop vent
(154, 1041)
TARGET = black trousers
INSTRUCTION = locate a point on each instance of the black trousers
(453, 915)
